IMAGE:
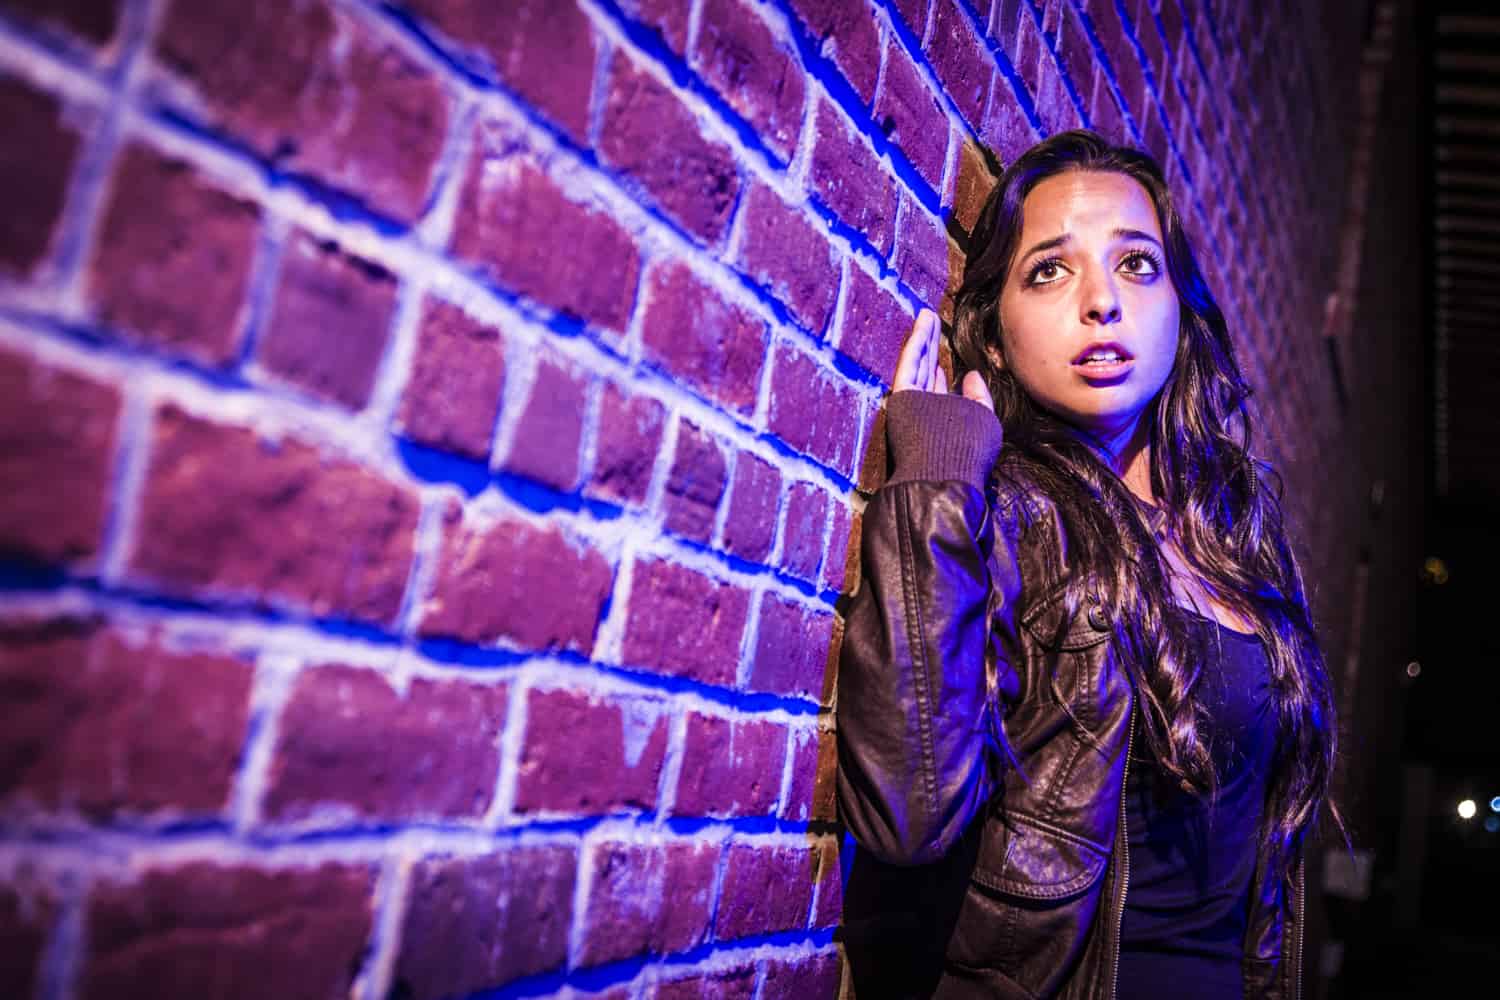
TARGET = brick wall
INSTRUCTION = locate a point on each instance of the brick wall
(433, 434)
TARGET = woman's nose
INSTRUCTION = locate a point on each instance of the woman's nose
(1101, 303)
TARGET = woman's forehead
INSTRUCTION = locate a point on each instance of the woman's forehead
(1086, 203)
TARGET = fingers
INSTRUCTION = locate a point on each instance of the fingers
(910, 373)
(936, 380)
(974, 388)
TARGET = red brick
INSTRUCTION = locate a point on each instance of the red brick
(108, 728)
(911, 116)
(348, 741)
(519, 228)
(1149, 38)
(629, 437)
(654, 141)
(287, 524)
(36, 162)
(543, 50)
(806, 522)
(330, 321)
(92, 20)
(1104, 113)
(475, 923)
(690, 331)
(486, 586)
(828, 904)
(848, 33)
(27, 914)
(970, 186)
(811, 795)
(815, 977)
(914, 13)
(662, 597)
(813, 409)
(1122, 56)
(782, 250)
(1005, 24)
(791, 649)
(57, 444)
(874, 462)
(1074, 52)
(695, 485)
(1006, 129)
(765, 890)
(728, 984)
(206, 929)
(846, 177)
(549, 432)
(959, 59)
(171, 263)
(452, 396)
(840, 569)
(874, 326)
(587, 756)
(754, 508)
(729, 768)
(316, 92)
(922, 252)
(655, 898)
(1053, 105)
(739, 57)
(668, 17)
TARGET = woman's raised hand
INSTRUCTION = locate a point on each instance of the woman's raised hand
(918, 368)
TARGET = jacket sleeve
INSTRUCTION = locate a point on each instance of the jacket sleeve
(912, 684)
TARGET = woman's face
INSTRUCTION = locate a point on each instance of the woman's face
(1088, 312)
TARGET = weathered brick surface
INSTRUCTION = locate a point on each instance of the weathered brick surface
(103, 726)
(668, 17)
(792, 979)
(36, 164)
(590, 756)
(57, 442)
(846, 177)
(520, 229)
(630, 433)
(911, 116)
(828, 899)
(695, 484)
(652, 898)
(651, 137)
(27, 914)
(549, 431)
(313, 89)
(662, 597)
(692, 332)
(452, 395)
(485, 588)
(782, 250)
(92, 20)
(874, 325)
(328, 328)
(348, 742)
(729, 984)
(475, 923)
(232, 931)
(543, 50)
(849, 36)
(812, 793)
(1005, 128)
(754, 508)
(959, 59)
(791, 649)
(813, 410)
(765, 889)
(286, 525)
(741, 59)
(171, 264)
(730, 768)
(841, 563)
(922, 252)
(806, 524)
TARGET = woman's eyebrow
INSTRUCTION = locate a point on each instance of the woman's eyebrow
(1119, 234)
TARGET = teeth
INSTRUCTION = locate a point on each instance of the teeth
(1102, 358)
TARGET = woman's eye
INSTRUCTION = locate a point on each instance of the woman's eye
(1140, 263)
(1045, 272)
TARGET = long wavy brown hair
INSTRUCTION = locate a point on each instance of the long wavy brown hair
(1207, 487)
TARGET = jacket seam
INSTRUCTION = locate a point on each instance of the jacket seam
(916, 635)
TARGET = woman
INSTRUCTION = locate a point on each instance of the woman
(1084, 724)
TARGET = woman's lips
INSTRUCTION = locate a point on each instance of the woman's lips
(1100, 370)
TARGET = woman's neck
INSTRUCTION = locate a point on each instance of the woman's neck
(1129, 454)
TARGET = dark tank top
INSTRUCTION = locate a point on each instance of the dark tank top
(1191, 865)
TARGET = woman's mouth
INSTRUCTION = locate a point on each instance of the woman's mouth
(1103, 361)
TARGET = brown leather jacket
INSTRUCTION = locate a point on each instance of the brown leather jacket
(968, 882)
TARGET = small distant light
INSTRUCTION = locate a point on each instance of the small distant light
(1434, 570)
(1492, 824)
(1467, 809)
(1413, 669)
(1495, 804)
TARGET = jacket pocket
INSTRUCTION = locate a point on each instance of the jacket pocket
(1022, 857)
(1047, 621)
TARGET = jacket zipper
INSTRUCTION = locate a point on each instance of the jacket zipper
(1301, 920)
(1124, 837)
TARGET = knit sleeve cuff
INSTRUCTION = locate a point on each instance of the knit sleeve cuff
(938, 437)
